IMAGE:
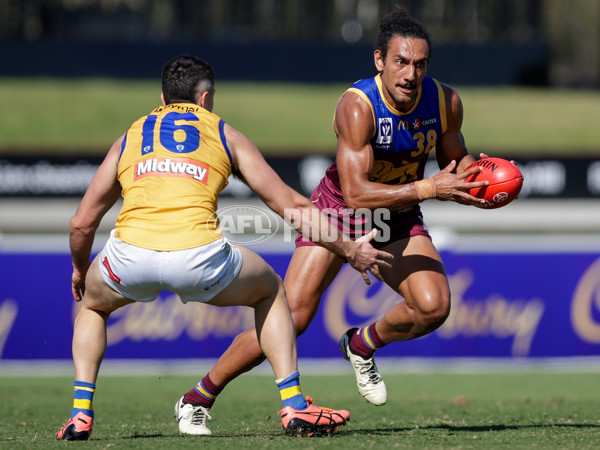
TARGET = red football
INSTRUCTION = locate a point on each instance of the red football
(505, 180)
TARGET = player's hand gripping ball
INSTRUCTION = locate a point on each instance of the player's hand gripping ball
(505, 181)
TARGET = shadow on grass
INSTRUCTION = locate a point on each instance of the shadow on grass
(276, 435)
(479, 428)
(144, 436)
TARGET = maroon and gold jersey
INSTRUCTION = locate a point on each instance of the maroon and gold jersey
(402, 141)
(401, 144)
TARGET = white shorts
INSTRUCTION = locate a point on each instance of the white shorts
(196, 274)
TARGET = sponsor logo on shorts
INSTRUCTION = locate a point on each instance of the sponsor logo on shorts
(172, 167)
(208, 287)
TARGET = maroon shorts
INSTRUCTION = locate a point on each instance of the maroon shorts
(392, 226)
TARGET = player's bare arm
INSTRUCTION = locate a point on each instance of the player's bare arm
(354, 126)
(101, 195)
(297, 210)
(453, 157)
(451, 146)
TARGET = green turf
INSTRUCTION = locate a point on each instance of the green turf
(86, 115)
(425, 411)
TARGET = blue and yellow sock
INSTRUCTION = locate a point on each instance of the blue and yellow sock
(291, 394)
(82, 398)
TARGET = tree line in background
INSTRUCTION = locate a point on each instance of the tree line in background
(570, 30)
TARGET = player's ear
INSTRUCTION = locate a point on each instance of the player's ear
(202, 98)
(378, 58)
(205, 100)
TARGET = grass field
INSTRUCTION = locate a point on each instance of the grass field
(425, 411)
(86, 115)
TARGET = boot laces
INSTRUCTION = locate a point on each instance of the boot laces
(367, 367)
(200, 416)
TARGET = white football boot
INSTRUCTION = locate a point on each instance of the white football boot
(368, 379)
(192, 418)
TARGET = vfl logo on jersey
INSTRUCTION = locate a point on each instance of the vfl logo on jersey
(384, 132)
(424, 122)
(172, 167)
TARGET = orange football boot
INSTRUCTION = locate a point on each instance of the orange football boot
(312, 421)
(78, 428)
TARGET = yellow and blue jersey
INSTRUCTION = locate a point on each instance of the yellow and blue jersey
(174, 162)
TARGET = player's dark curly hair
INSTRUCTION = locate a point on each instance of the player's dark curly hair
(399, 22)
(184, 78)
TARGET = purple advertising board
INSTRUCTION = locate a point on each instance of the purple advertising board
(503, 305)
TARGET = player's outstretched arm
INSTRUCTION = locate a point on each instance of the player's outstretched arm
(297, 210)
(101, 195)
(453, 157)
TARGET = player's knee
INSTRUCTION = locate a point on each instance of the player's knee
(272, 285)
(433, 313)
(434, 319)
(302, 319)
(303, 307)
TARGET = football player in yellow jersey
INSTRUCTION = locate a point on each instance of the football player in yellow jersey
(170, 167)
